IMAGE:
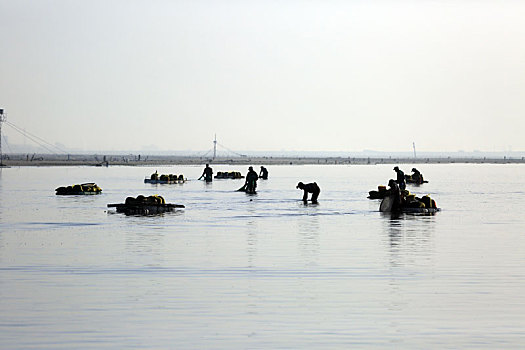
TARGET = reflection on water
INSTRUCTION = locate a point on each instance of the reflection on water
(265, 271)
(252, 232)
(409, 237)
(308, 231)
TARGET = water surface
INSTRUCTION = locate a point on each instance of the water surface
(237, 271)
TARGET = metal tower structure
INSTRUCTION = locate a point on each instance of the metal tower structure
(414, 146)
(3, 117)
(215, 147)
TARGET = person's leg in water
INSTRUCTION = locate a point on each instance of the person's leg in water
(315, 195)
(251, 187)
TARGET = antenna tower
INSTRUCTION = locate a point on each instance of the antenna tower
(414, 146)
(215, 147)
(3, 117)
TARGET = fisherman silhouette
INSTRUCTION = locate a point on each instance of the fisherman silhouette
(264, 173)
(400, 178)
(251, 180)
(207, 174)
(309, 188)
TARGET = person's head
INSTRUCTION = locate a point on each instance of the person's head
(396, 168)
(391, 182)
(300, 185)
(414, 169)
(207, 165)
(250, 168)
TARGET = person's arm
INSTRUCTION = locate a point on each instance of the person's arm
(305, 196)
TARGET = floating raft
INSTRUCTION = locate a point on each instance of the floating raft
(145, 209)
(158, 181)
(420, 210)
(83, 189)
(410, 181)
(388, 202)
(145, 206)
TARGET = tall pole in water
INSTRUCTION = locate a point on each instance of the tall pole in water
(215, 147)
(414, 146)
(2, 119)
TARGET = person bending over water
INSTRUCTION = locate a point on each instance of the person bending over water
(309, 188)
(264, 173)
(207, 174)
(417, 177)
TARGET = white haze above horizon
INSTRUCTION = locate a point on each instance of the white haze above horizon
(265, 75)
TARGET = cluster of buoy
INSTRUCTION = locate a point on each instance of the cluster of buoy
(379, 194)
(141, 200)
(142, 205)
(171, 177)
(165, 178)
(397, 198)
(411, 201)
(83, 189)
(228, 175)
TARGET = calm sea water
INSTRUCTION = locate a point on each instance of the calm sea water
(234, 271)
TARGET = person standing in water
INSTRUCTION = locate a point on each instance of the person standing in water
(264, 173)
(309, 188)
(207, 174)
(251, 180)
(400, 179)
(395, 192)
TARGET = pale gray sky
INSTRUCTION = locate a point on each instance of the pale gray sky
(266, 75)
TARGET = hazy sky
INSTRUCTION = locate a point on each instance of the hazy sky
(266, 75)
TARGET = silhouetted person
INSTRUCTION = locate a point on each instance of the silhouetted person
(251, 180)
(417, 176)
(395, 192)
(207, 174)
(309, 188)
(264, 173)
(400, 178)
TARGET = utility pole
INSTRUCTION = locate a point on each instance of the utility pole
(215, 147)
(414, 146)
(2, 119)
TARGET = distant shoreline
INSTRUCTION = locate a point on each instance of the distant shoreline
(89, 160)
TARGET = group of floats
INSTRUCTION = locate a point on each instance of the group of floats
(229, 175)
(83, 189)
(409, 203)
(404, 201)
(155, 178)
(142, 205)
(416, 178)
